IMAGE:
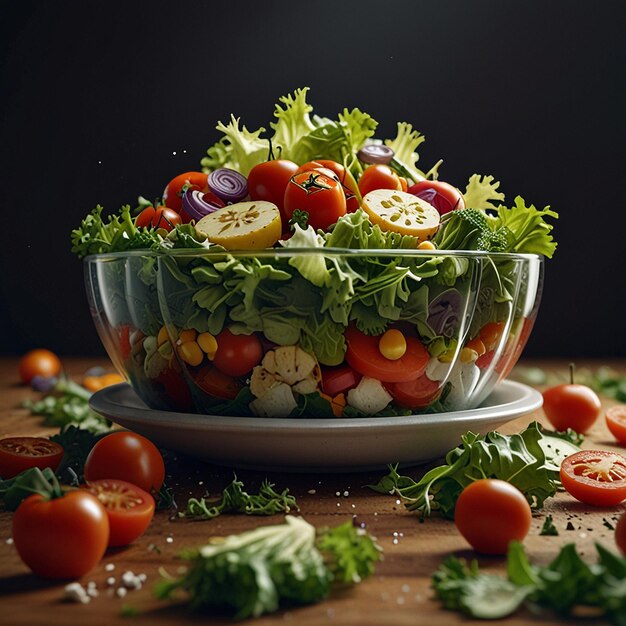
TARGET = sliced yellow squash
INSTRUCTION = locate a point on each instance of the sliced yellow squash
(243, 226)
(401, 212)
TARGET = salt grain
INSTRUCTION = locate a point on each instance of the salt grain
(121, 592)
(9, 541)
(312, 491)
(109, 567)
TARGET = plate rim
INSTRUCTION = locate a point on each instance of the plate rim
(106, 402)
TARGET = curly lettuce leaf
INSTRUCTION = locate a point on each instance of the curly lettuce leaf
(293, 123)
(405, 145)
(481, 192)
(239, 149)
(527, 229)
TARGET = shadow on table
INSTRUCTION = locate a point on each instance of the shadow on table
(23, 583)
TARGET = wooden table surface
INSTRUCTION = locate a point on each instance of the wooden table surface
(397, 594)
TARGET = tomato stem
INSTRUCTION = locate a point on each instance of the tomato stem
(571, 373)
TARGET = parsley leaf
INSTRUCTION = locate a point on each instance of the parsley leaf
(548, 528)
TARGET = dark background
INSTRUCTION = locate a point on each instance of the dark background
(103, 101)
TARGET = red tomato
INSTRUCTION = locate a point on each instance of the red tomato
(129, 457)
(620, 534)
(379, 177)
(38, 363)
(176, 389)
(217, 384)
(414, 394)
(615, 420)
(21, 453)
(268, 181)
(571, 406)
(123, 333)
(336, 380)
(595, 477)
(237, 354)
(129, 508)
(344, 176)
(175, 189)
(490, 334)
(442, 196)
(491, 513)
(161, 217)
(62, 537)
(365, 357)
(319, 195)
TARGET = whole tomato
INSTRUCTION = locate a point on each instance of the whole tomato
(379, 177)
(39, 362)
(348, 184)
(268, 181)
(62, 537)
(236, 355)
(161, 217)
(129, 457)
(321, 196)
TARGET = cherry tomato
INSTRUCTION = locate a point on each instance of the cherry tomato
(161, 217)
(620, 534)
(268, 181)
(615, 420)
(571, 406)
(62, 537)
(596, 477)
(21, 453)
(443, 196)
(363, 354)
(379, 177)
(321, 196)
(336, 380)
(217, 384)
(491, 513)
(129, 457)
(173, 192)
(129, 508)
(349, 185)
(39, 362)
(414, 394)
(236, 355)
(490, 334)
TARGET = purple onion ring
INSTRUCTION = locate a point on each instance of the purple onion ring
(444, 313)
(228, 184)
(197, 204)
(375, 154)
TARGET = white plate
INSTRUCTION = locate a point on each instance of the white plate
(313, 445)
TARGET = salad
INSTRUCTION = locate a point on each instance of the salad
(316, 271)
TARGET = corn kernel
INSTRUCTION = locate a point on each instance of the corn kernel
(208, 343)
(162, 337)
(447, 356)
(392, 345)
(468, 355)
(191, 353)
(426, 245)
(188, 334)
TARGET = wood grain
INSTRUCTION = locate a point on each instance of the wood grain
(398, 594)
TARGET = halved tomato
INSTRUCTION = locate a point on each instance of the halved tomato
(129, 508)
(365, 357)
(616, 422)
(415, 394)
(595, 477)
(217, 384)
(21, 453)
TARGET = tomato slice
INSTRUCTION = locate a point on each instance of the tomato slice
(21, 453)
(129, 508)
(217, 384)
(415, 394)
(616, 421)
(336, 380)
(365, 357)
(596, 477)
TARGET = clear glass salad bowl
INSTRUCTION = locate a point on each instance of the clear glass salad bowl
(314, 332)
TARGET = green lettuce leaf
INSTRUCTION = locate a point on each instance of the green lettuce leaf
(293, 123)
(481, 192)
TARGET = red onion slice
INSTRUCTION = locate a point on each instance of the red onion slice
(228, 184)
(197, 203)
(375, 154)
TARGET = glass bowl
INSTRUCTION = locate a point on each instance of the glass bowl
(314, 332)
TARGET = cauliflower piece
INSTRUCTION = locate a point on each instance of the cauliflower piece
(369, 396)
(154, 363)
(278, 401)
(290, 363)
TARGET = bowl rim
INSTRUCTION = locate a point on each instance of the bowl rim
(290, 252)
